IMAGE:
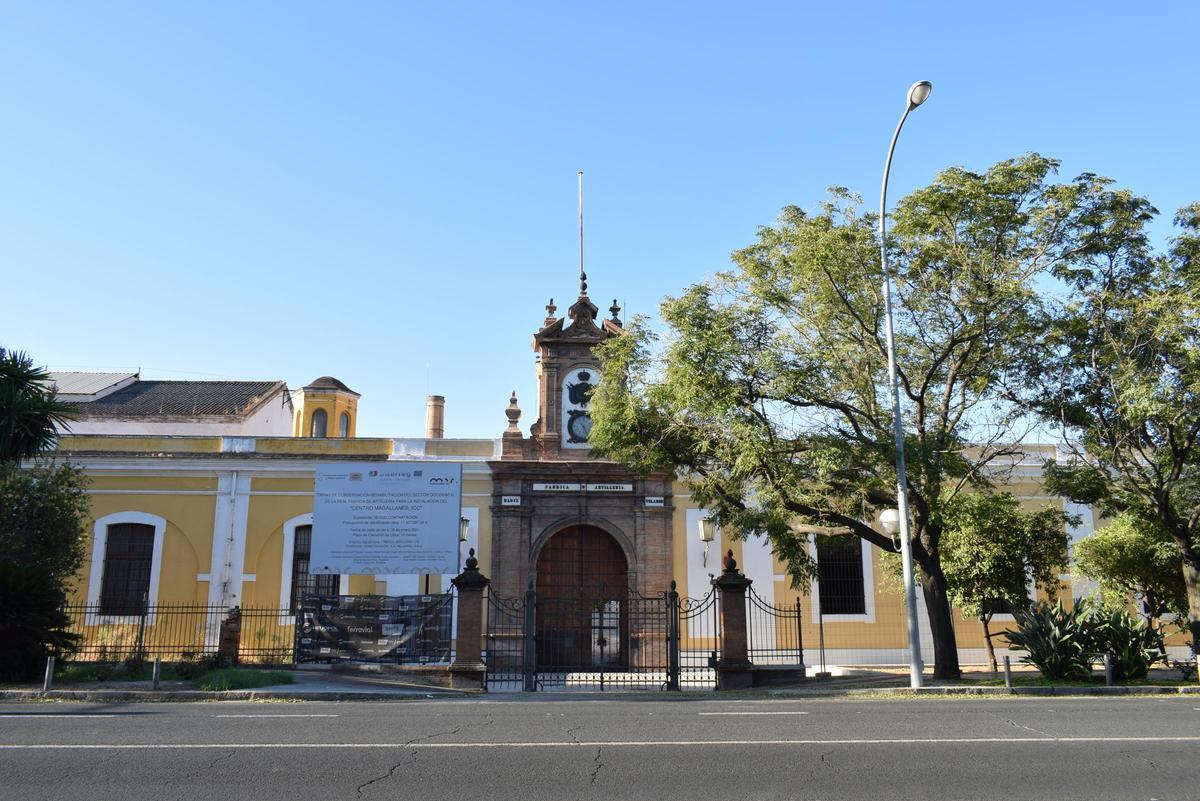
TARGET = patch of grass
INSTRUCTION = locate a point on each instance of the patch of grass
(80, 672)
(242, 678)
(1041, 681)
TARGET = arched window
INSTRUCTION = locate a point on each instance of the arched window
(344, 425)
(303, 582)
(319, 421)
(128, 557)
(126, 560)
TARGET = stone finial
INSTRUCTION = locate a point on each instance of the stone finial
(729, 562)
(472, 562)
(615, 311)
(550, 310)
(582, 284)
(513, 413)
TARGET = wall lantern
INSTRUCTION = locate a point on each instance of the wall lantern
(708, 533)
(464, 526)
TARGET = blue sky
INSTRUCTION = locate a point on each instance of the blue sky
(385, 192)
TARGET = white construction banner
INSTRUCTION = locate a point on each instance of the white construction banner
(386, 517)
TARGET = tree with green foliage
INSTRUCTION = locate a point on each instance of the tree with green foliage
(1125, 378)
(991, 551)
(43, 510)
(770, 396)
(30, 412)
(1132, 557)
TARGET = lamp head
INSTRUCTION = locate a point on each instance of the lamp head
(464, 526)
(918, 93)
(889, 520)
(708, 529)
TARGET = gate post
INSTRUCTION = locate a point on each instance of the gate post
(673, 638)
(734, 670)
(467, 671)
(230, 643)
(530, 634)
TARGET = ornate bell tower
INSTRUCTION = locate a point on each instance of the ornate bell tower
(567, 370)
(552, 501)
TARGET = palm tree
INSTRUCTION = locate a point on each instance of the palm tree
(30, 412)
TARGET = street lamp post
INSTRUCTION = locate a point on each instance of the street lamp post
(917, 94)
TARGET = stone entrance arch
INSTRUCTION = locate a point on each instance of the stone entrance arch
(582, 593)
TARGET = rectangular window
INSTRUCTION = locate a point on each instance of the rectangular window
(303, 582)
(128, 557)
(997, 606)
(840, 576)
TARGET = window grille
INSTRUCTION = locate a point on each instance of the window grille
(840, 576)
(128, 559)
(304, 582)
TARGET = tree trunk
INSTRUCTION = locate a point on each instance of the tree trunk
(1191, 580)
(941, 623)
(987, 638)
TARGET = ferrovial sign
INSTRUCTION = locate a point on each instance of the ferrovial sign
(386, 517)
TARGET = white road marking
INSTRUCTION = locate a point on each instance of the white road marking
(591, 744)
(275, 716)
(702, 714)
(36, 715)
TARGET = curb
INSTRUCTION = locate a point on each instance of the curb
(177, 696)
(1149, 689)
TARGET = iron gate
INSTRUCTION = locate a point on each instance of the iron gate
(626, 641)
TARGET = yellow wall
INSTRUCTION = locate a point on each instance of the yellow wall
(333, 403)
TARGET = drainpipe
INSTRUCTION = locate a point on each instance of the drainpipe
(226, 590)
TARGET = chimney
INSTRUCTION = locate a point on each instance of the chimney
(435, 417)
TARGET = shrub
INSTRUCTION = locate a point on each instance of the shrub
(33, 625)
(1056, 640)
(1134, 644)
(194, 666)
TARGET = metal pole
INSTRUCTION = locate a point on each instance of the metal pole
(48, 679)
(799, 633)
(910, 596)
(673, 638)
(1108, 670)
(157, 675)
(1007, 672)
(530, 645)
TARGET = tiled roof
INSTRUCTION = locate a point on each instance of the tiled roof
(329, 382)
(182, 398)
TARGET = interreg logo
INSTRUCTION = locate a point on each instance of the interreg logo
(373, 473)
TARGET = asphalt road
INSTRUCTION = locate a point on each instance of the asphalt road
(1005, 748)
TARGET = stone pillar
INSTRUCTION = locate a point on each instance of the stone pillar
(468, 670)
(734, 670)
(230, 639)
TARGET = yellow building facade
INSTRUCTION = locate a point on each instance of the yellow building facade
(224, 521)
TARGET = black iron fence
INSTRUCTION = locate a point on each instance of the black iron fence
(402, 630)
(626, 641)
(774, 634)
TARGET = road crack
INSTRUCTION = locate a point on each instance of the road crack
(358, 791)
(1027, 728)
(1141, 755)
(599, 764)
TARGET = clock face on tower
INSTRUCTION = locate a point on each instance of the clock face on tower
(576, 395)
(579, 426)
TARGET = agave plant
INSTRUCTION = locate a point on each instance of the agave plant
(1135, 645)
(1056, 640)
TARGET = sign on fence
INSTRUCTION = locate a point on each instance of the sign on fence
(374, 628)
(386, 517)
